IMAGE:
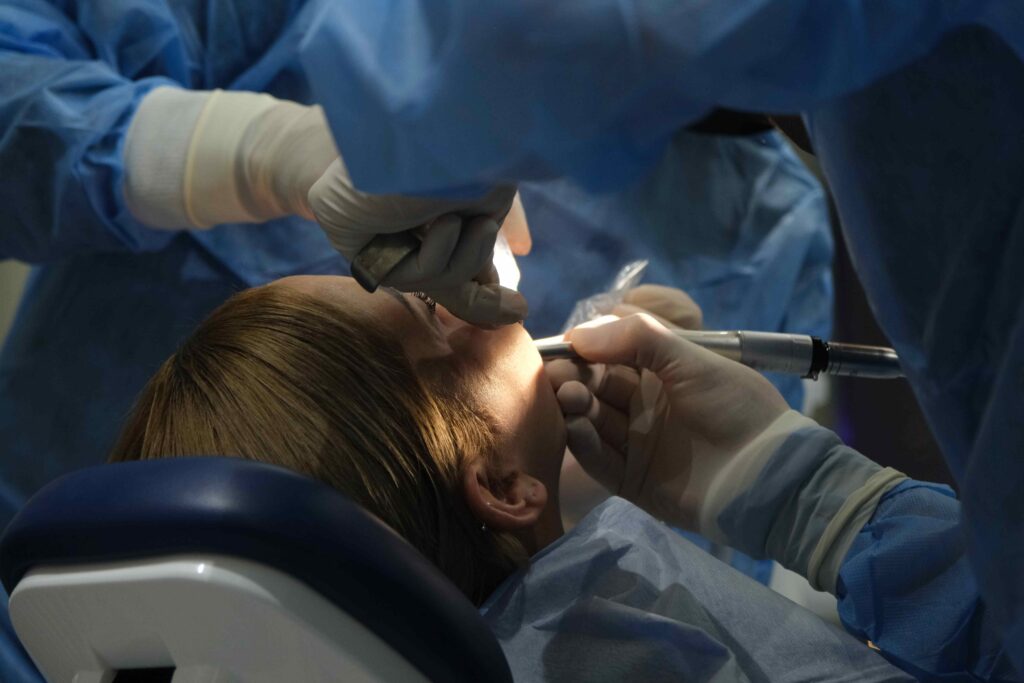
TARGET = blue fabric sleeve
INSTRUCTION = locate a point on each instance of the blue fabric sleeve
(64, 114)
(907, 586)
(468, 91)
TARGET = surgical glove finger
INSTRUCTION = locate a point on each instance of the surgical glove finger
(489, 275)
(565, 370)
(613, 384)
(668, 303)
(485, 305)
(562, 370)
(612, 425)
(435, 251)
(642, 342)
(597, 458)
(623, 310)
(574, 398)
(599, 321)
(438, 265)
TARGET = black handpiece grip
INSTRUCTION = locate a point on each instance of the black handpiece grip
(382, 255)
(856, 360)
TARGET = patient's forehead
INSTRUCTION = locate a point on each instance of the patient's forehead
(318, 285)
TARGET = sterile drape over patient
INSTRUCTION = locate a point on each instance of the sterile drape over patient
(622, 596)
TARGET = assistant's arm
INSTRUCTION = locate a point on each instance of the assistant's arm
(64, 115)
(97, 160)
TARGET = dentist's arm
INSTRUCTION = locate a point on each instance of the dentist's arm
(709, 445)
(195, 159)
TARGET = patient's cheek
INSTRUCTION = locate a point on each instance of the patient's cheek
(496, 353)
(524, 403)
(503, 371)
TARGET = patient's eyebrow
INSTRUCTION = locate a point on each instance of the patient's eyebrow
(401, 299)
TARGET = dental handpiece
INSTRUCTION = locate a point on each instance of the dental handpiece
(794, 354)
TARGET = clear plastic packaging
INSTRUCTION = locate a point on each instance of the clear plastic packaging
(595, 306)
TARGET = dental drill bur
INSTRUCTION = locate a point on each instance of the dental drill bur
(793, 354)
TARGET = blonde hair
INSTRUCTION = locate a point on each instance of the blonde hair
(278, 376)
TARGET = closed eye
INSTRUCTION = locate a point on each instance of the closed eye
(431, 304)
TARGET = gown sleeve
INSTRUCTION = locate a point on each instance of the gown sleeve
(64, 114)
(907, 586)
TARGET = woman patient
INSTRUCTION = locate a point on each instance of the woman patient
(452, 435)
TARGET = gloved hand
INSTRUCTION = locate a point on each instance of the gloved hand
(668, 425)
(670, 306)
(197, 159)
(709, 445)
(453, 264)
(578, 492)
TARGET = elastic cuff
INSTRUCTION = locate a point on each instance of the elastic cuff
(212, 194)
(827, 557)
(155, 153)
(826, 480)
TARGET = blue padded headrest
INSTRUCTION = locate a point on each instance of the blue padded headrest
(244, 509)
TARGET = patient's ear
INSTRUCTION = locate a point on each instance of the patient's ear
(512, 504)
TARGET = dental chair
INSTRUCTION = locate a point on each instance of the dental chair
(223, 570)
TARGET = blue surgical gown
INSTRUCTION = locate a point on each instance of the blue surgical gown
(914, 109)
(109, 299)
(758, 256)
